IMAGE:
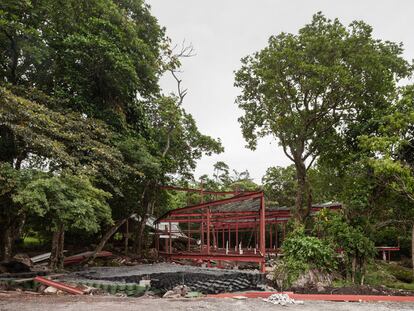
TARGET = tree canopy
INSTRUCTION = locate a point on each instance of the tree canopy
(307, 89)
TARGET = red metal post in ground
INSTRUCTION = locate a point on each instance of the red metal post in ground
(229, 237)
(270, 236)
(157, 239)
(188, 235)
(237, 235)
(208, 230)
(223, 245)
(166, 240)
(262, 233)
(202, 233)
(213, 231)
(276, 235)
(170, 241)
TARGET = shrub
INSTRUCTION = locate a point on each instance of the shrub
(301, 254)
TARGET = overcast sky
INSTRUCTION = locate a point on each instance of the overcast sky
(224, 31)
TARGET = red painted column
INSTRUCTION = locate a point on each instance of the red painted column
(166, 240)
(237, 235)
(270, 236)
(262, 233)
(276, 235)
(229, 238)
(170, 240)
(208, 230)
(157, 239)
(188, 234)
(223, 245)
(202, 233)
(217, 238)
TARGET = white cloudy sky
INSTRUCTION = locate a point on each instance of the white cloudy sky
(224, 31)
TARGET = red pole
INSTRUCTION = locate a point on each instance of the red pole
(166, 240)
(276, 235)
(217, 238)
(170, 240)
(270, 236)
(237, 235)
(188, 235)
(157, 239)
(208, 231)
(229, 238)
(262, 233)
(58, 285)
(202, 233)
(222, 244)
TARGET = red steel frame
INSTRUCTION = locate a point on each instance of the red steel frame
(212, 222)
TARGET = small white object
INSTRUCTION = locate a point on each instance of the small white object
(146, 283)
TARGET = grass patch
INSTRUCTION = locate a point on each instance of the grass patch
(31, 241)
(390, 275)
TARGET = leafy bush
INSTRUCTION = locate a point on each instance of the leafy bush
(301, 254)
(315, 252)
(356, 248)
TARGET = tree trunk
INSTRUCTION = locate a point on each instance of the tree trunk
(303, 201)
(61, 257)
(58, 241)
(139, 235)
(106, 237)
(6, 244)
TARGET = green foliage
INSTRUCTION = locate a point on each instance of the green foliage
(66, 200)
(302, 253)
(279, 185)
(357, 249)
(288, 270)
(311, 250)
(307, 88)
(390, 275)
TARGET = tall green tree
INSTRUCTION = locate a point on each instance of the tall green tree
(391, 157)
(279, 185)
(306, 88)
(65, 203)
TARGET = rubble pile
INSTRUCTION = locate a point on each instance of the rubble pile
(281, 299)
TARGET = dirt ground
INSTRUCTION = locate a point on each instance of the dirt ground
(24, 302)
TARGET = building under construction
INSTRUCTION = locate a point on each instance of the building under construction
(240, 228)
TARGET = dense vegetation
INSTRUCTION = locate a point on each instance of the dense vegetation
(332, 96)
(87, 135)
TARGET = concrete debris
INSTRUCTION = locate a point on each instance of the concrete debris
(240, 297)
(281, 299)
(52, 290)
(41, 257)
(177, 292)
